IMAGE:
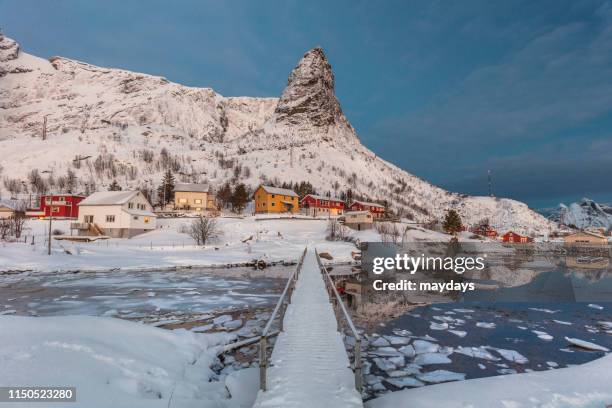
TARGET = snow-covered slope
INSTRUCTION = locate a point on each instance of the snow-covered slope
(586, 213)
(104, 124)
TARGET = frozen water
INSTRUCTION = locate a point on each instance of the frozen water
(594, 306)
(423, 346)
(384, 364)
(438, 326)
(408, 350)
(404, 382)
(385, 352)
(439, 376)
(485, 325)
(476, 352)
(380, 342)
(543, 335)
(432, 358)
(397, 340)
(459, 333)
(512, 355)
(586, 344)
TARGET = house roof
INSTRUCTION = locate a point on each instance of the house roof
(318, 197)
(279, 191)
(589, 233)
(367, 203)
(109, 198)
(11, 204)
(192, 187)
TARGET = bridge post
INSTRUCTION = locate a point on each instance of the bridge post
(358, 366)
(263, 362)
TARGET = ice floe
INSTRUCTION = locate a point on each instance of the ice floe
(423, 346)
(542, 335)
(432, 358)
(586, 344)
(439, 376)
(485, 325)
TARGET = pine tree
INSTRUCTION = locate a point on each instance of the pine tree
(114, 186)
(240, 198)
(452, 222)
(165, 191)
(224, 195)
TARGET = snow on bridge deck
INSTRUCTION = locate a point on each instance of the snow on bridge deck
(309, 364)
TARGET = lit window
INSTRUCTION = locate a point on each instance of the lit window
(182, 200)
(197, 201)
(146, 220)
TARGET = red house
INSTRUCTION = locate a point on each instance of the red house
(375, 209)
(485, 231)
(60, 205)
(316, 205)
(515, 238)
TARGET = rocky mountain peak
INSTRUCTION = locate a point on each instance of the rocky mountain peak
(309, 100)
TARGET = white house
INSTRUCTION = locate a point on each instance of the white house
(118, 214)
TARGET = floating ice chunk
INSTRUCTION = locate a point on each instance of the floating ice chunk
(204, 328)
(446, 319)
(384, 364)
(552, 364)
(402, 332)
(512, 355)
(408, 351)
(379, 387)
(399, 361)
(385, 352)
(485, 325)
(222, 319)
(427, 337)
(482, 366)
(594, 306)
(398, 340)
(566, 350)
(410, 369)
(372, 379)
(432, 358)
(537, 309)
(438, 326)
(404, 382)
(233, 324)
(464, 310)
(380, 342)
(423, 346)
(605, 325)
(543, 335)
(476, 352)
(586, 344)
(562, 322)
(521, 327)
(506, 371)
(459, 333)
(440, 376)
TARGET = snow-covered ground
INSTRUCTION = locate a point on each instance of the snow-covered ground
(111, 362)
(166, 247)
(587, 385)
(242, 240)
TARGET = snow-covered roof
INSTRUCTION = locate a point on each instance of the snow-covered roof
(279, 191)
(192, 187)
(109, 198)
(593, 234)
(144, 213)
(367, 203)
(319, 197)
(12, 204)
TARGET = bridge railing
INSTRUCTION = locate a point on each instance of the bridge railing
(279, 310)
(339, 304)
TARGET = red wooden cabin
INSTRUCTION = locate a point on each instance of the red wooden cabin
(60, 205)
(319, 205)
(513, 237)
(375, 209)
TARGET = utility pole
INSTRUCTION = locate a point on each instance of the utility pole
(50, 224)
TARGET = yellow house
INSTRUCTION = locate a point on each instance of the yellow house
(275, 200)
(193, 197)
(585, 238)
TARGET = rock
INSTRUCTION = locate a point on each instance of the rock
(326, 255)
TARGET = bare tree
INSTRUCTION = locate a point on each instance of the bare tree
(335, 230)
(17, 221)
(203, 229)
(5, 227)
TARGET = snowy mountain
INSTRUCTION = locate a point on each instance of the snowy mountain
(104, 124)
(586, 213)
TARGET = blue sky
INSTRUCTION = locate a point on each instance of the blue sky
(444, 89)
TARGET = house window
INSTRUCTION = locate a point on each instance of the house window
(130, 205)
(62, 199)
(273, 204)
(182, 200)
(146, 220)
(273, 196)
(197, 201)
(136, 217)
(88, 219)
(110, 218)
(47, 200)
(55, 209)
